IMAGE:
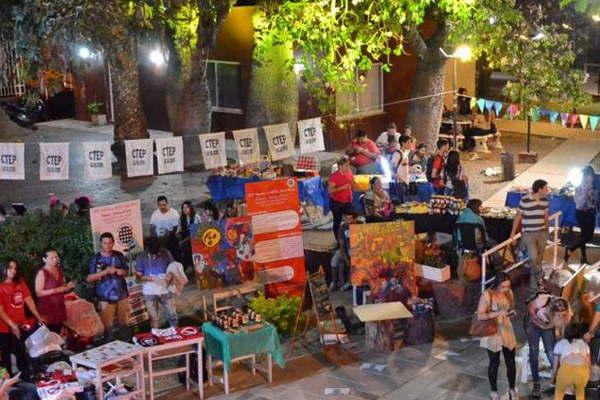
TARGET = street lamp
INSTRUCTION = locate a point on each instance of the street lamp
(462, 53)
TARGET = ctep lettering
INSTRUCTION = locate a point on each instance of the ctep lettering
(310, 135)
(211, 147)
(139, 156)
(169, 154)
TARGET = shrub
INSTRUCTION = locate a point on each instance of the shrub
(27, 238)
(280, 311)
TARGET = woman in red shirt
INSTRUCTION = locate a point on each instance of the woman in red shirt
(50, 289)
(340, 191)
(14, 295)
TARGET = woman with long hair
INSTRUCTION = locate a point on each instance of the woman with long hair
(497, 303)
(586, 203)
(572, 364)
(454, 178)
(376, 201)
(187, 217)
(14, 296)
(50, 289)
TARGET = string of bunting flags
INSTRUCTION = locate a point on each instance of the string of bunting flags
(567, 120)
(169, 152)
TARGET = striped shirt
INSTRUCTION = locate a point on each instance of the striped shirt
(533, 213)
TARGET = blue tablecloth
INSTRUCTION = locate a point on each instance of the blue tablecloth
(227, 188)
(227, 346)
(562, 203)
(424, 193)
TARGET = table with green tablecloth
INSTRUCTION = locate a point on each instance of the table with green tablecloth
(228, 347)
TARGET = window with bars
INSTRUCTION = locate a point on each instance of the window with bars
(368, 100)
(224, 81)
(11, 76)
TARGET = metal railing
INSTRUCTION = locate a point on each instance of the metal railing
(554, 219)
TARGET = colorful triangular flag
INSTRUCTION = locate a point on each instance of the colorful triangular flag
(488, 105)
(481, 104)
(513, 110)
(593, 122)
(498, 107)
(573, 119)
(553, 115)
(564, 118)
(534, 113)
(584, 120)
(473, 102)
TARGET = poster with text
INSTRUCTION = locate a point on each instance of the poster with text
(54, 161)
(310, 132)
(279, 259)
(213, 149)
(97, 158)
(382, 257)
(223, 252)
(124, 221)
(169, 155)
(139, 154)
(246, 142)
(12, 161)
(280, 141)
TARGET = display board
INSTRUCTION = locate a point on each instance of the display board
(382, 253)
(275, 210)
(223, 252)
(124, 221)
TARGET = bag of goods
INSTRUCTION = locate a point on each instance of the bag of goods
(82, 318)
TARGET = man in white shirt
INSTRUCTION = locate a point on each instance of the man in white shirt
(382, 140)
(164, 223)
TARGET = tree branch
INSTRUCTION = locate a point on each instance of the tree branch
(416, 42)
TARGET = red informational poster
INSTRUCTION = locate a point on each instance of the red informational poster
(279, 248)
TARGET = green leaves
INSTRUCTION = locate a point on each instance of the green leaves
(280, 311)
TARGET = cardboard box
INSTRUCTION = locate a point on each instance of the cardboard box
(432, 273)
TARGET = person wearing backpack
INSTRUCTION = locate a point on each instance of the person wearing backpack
(435, 166)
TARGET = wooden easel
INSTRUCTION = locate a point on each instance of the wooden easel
(321, 308)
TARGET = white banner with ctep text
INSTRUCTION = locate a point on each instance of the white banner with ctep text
(54, 161)
(169, 154)
(139, 156)
(311, 135)
(12, 161)
(280, 141)
(97, 158)
(213, 149)
(246, 141)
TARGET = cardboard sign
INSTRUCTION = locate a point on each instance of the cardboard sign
(169, 155)
(246, 142)
(223, 252)
(97, 158)
(12, 161)
(124, 221)
(280, 142)
(54, 161)
(139, 156)
(213, 149)
(274, 207)
(310, 132)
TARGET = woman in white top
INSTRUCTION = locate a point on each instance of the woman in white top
(571, 363)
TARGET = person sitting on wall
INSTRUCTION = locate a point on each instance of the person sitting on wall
(377, 202)
(363, 153)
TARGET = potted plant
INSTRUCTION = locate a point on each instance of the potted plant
(433, 268)
(95, 111)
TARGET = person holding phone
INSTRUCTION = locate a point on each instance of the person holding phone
(108, 269)
(50, 289)
(497, 303)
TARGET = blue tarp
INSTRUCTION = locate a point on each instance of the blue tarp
(562, 203)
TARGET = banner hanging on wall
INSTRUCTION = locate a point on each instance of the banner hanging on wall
(124, 221)
(139, 155)
(213, 149)
(169, 155)
(311, 135)
(280, 143)
(54, 161)
(246, 142)
(97, 158)
(278, 245)
(12, 161)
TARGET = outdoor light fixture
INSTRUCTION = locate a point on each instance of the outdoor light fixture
(463, 53)
(84, 52)
(575, 176)
(492, 20)
(596, 18)
(157, 57)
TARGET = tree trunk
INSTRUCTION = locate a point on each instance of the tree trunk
(425, 116)
(380, 336)
(129, 118)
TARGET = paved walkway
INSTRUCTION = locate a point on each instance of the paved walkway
(554, 168)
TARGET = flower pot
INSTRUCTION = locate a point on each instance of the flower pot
(98, 119)
(433, 273)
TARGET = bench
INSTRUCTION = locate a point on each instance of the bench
(481, 142)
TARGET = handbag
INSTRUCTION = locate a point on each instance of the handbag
(485, 328)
